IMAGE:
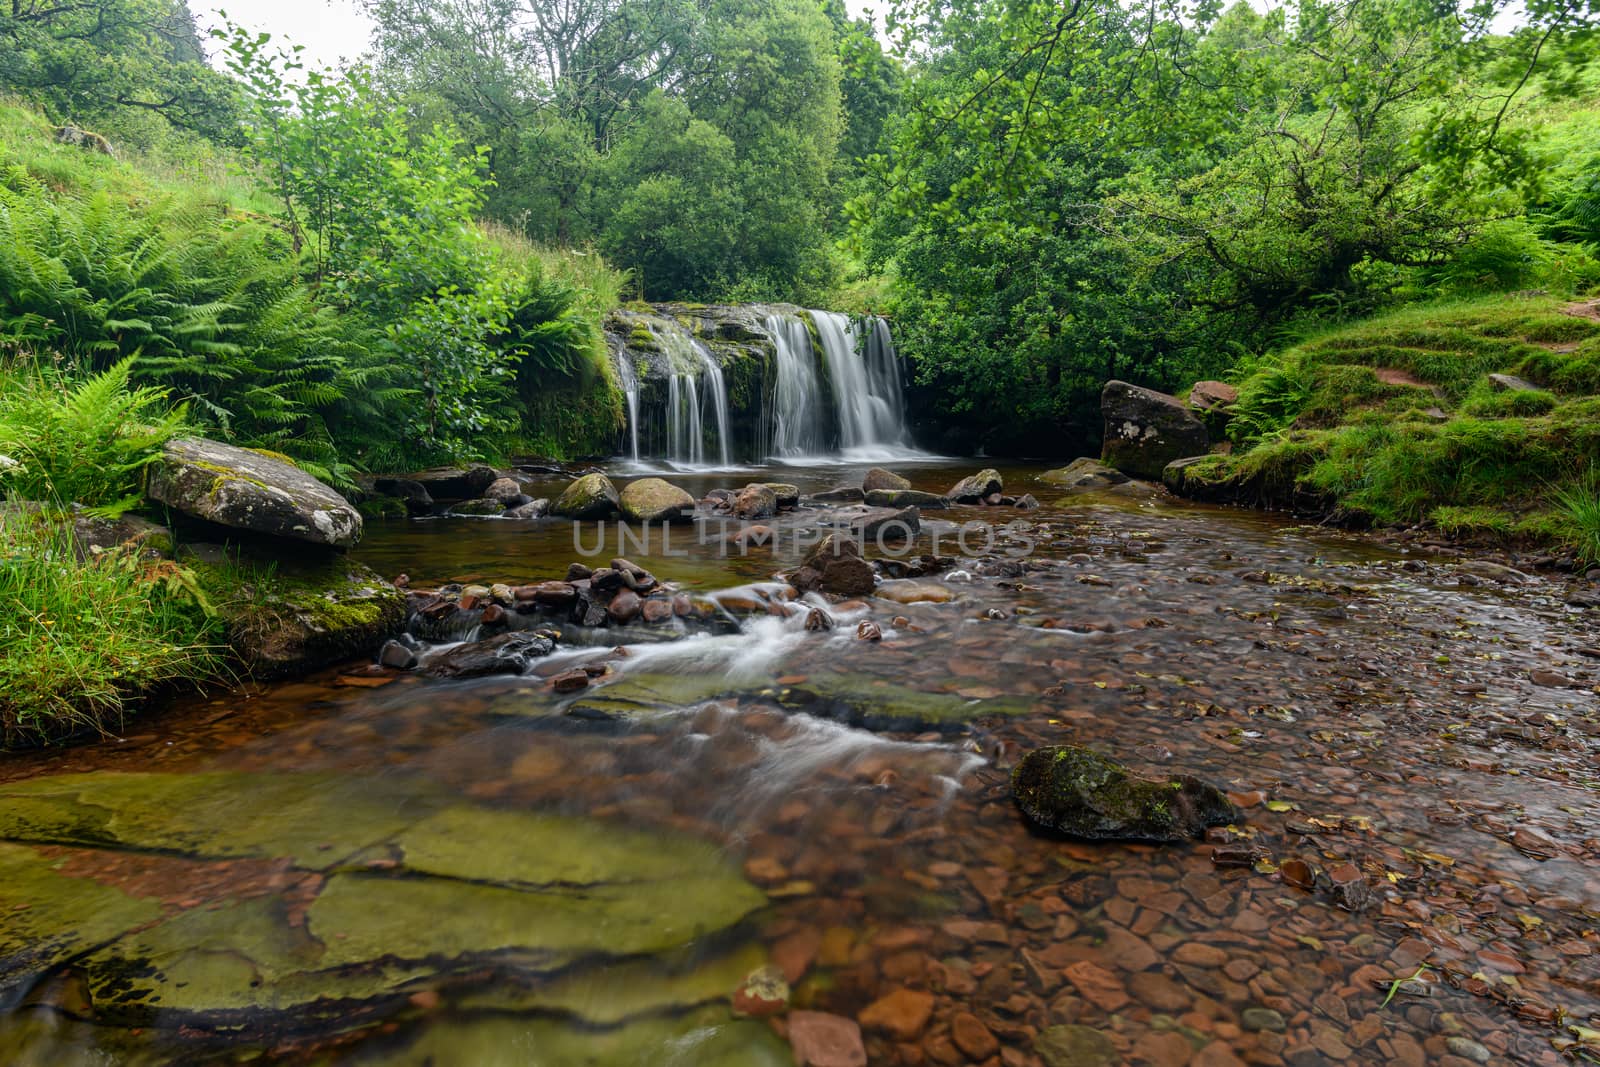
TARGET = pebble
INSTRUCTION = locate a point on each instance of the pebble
(902, 1014)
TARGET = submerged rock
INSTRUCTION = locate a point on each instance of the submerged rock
(887, 524)
(484, 508)
(249, 490)
(904, 498)
(509, 653)
(655, 500)
(1146, 430)
(844, 494)
(974, 489)
(1084, 473)
(1083, 794)
(590, 497)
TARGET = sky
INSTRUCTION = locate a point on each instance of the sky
(330, 30)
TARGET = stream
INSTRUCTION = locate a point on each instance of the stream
(386, 868)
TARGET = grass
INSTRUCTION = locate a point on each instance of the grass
(82, 639)
(1394, 421)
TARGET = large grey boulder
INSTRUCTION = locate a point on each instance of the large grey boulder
(655, 500)
(877, 478)
(249, 490)
(1146, 430)
(975, 488)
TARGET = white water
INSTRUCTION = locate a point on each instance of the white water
(866, 387)
(693, 366)
(630, 390)
(797, 423)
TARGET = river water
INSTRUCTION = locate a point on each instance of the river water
(387, 868)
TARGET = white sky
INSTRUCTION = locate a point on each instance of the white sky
(330, 30)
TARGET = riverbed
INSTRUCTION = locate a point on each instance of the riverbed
(379, 867)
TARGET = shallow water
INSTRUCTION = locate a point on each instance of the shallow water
(401, 870)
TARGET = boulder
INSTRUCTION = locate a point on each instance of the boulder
(1145, 430)
(449, 484)
(248, 490)
(844, 494)
(1210, 396)
(1081, 793)
(655, 500)
(590, 497)
(533, 509)
(504, 490)
(1084, 473)
(904, 498)
(878, 478)
(306, 614)
(94, 535)
(834, 565)
(1510, 383)
(413, 494)
(484, 508)
(755, 502)
(508, 653)
(788, 495)
(974, 488)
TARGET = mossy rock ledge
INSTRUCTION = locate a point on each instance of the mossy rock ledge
(244, 489)
(1080, 793)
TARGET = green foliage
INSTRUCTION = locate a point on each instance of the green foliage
(1579, 505)
(81, 638)
(86, 443)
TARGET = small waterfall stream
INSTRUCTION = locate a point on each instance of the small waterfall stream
(797, 416)
(866, 385)
(691, 366)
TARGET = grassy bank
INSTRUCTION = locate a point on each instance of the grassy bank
(1397, 420)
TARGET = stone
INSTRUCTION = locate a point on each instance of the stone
(1084, 474)
(786, 493)
(533, 509)
(506, 491)
(755, 502)
(868, 630)
(248, 490)
(974, 488)
(1510, 383)
(411, 493)
(913, 591)
(820, 1039)
(625, 606)
(1076, 1046)
(484, 508)
(590, 497)
(844, 494)
(1097, 985)
(972, 1037)
(901, 1014)
(396, 655)
(887, 524)
(655, 500)
(93, 535)
(1146, 430)
(508, 653)
(904, 498)
(1263, 1019)
(1081, 793)
(1210, 395)
(834, 565)
(878, 478)
(449, 484)
(308, 614)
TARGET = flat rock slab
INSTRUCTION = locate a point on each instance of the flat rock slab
(249, 490)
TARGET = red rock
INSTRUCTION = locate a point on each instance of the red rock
(823, 1040)
(1157, 991)
(902, 1014)
(1097, 985)
(1200, 954)
(1162, 1049)
(794, 954)
(1216, 1054)
(869, 631)
(570, 681)
(972, 1037)
(1131, 953)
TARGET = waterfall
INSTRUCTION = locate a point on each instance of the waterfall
(630, 391)
(692, 363)
(866, 386)
(797, 423)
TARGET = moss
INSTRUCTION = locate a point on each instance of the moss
(1083, 794)
(379, 508)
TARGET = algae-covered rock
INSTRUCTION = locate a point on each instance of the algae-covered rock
(655, 500)
(300, 615)
(590, 497)
(879, 479)
(1076, 1046)
(1083, 794)
(1084, 473)
(904, 498)
(249, 490)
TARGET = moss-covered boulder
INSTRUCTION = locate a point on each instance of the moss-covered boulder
(904, 498)
(1145, 430)
(590, 497)
(1081, 793)
(1084, 473)
(249, 490)
(878, 478)
(655, 500)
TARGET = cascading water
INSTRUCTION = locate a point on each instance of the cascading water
(866, 386)
(797, 415)
(630, 392)
(691, 364)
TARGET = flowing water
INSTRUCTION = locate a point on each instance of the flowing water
(387, 868)
(866, 387)
(799, 424)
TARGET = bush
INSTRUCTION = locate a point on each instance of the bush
(80, 639)
(86, 443)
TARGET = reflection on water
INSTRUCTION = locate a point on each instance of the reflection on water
(494, 872)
